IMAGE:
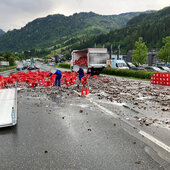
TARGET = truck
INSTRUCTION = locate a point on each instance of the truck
(92, 60)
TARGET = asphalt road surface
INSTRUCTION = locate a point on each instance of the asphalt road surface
(59, 129)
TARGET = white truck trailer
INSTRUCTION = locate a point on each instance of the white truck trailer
(94, 60)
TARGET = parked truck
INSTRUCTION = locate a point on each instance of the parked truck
(93, 60)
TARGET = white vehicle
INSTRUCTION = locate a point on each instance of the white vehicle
(94, 60)
(159, 70)
(165, 68)
(154, 69)
(117, 63)
(8, 105)
(120, 64)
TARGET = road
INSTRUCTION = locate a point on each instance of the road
(60, 129)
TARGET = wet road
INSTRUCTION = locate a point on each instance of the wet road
(68, 132)
(65, 131)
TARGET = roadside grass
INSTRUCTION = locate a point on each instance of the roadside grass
(62, 65)
(7, 68)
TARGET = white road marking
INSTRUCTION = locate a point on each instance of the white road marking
(154, 140)
(99, 106)
(151, 138)
(103, 108)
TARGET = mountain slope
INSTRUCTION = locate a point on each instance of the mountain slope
(1, 32)
(61, 30)
(152, 27)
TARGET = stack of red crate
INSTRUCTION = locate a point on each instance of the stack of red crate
(36, 79)
(81, 61)
(2, 82)
(161, 78)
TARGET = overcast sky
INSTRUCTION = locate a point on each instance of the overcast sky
(17, 13)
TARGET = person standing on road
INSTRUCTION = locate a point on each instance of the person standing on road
(57, 78)
(81, 75)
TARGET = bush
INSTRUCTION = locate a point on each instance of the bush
(128, 73)
(62, 65)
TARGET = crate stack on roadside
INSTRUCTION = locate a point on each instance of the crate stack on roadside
(161, 78)
(37, 79)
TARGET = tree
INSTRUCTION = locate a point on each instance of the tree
(140, 52)
(11, 61)
(164, 53)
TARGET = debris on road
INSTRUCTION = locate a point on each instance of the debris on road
(150, 104)
(138, 162)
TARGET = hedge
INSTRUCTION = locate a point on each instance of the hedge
(62, 65)
(128, 73)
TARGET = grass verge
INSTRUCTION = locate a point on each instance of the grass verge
(7, 68)
(62, 65)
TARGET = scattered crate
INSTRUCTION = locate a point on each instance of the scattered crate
(161, 78)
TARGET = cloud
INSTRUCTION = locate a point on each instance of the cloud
(16, 13)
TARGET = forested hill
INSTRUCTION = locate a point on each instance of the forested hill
(61, 30)
(1, 32)
(152, 27)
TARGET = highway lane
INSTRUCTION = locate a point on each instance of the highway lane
(63, 130)
(66, 131)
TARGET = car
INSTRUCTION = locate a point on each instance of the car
(131, 66)
(164, 68)
(25, 67)
(154, 69)
(32, 67)
(140, 68)
(19, 68)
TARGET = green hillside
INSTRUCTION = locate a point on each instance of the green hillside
(152, 27)
(60, 30)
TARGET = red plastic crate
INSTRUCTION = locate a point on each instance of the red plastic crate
(106, 80)
(47, 83)
(85, 91)
(84, 80)
(95, 76)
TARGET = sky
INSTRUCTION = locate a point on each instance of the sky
(15, 14)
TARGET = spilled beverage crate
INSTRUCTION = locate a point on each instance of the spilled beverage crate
(161, 78)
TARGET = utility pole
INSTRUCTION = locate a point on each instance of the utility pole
(118, 51)
(111, 55)
(111, 51)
